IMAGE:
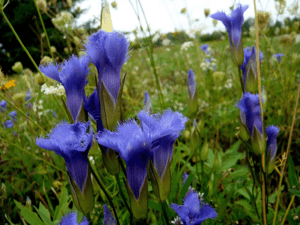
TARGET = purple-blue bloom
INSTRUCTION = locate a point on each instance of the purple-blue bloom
(71, 219)
(108, 218)
(193, 211)
(233, 24)
(28, 95)
(250, 112)
(108, 51)
(72, 74)
(73, 143)
(134, 146)
(250, 62)
(272, 132)
(164, 130)
(278, 56)
(204, 47)
(2, 105)
(13, 115)
(8, 124)
(191, 84)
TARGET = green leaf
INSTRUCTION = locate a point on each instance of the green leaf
(230, 160)
(44, 214)
(292, 173)
(185, 187)
(248, 209)
(29, 216)
(155, 206)
(291, 220)
(295, 192)
(234, 148)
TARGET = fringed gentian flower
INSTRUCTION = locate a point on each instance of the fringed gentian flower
(71, 219)
(8, 124)
(164, 130)
(147, 103)
(272, 132)
(249, 68)
(193, 211)
(108, 51)
(73, 143)
(108, 218)
(205, 48)
(278, 56)
(251, 119)
(134, 146)
(233, 24)
(3, 106)
(72, 74)
(13, 115)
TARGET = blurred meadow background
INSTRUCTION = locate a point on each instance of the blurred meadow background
(166, 40)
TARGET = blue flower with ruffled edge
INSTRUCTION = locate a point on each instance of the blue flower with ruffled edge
(72, 74)
(73, 143)
(3, 105)
(233, 24)
(134, 146)
(191, 84)
(164, 130)
(272, 132)
(71, 219)
(193, 211)
(278, 56)
(108, 52)
(250, 112)
(108, 218)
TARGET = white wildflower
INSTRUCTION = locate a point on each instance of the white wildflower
(58, 90)
(186, 45)
(155, 37)
(228, 84)
(297, 39)
(166, 42)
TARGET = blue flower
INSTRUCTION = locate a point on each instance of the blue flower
(249, 66)
(2, 105)
(108, 51)
(73, 143)
(8, 124)
(28, 95)
(193, 211)
(233, 24)
(204, 47)
(72, 74)
(272, 132)
(134, 146)
(191, 84)
(71, 219)
(164, 130)
(13, 115)
(250, 112)
(108, 218)
(278, 56)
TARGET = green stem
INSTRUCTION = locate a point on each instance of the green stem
(241, 80)
(98, 179)
(123, 197)
(163, 206)
(45, 31)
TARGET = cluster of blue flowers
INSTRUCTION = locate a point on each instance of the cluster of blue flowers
(13, 114)
(138, 145)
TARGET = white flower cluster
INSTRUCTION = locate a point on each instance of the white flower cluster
(166, 42)
(40, 108)
(58, 90)
(209, 64)
(186, 45)
(228, 84)
(63, 21)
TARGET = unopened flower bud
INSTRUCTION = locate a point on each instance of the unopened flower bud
(53, 49)
(216, 162)
(70, 3)
(206, 12)
(147, 103)
(3, 191)
(114, 4)
(204, 151)
(183, 11)
(46, 60)
(28, 203)
(17, 67)
(42, 5)
(215, 22)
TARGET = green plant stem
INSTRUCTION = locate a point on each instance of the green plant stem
(286, 156)
(45, 31)
(123, 197)
(98, 179)
(163, 206)
(288, 209)
(241, 80)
